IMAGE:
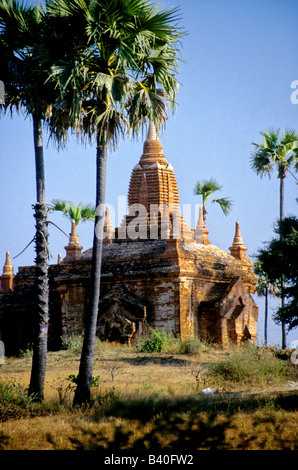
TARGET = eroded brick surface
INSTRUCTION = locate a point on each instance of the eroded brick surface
(177, 281)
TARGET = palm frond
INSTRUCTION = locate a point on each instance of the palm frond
(207, 187)
(280, 152)
(225, 204)
(80, 213)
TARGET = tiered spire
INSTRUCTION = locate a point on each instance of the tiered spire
(73, 249)
(7, 276)
(153, 185)
(238, 250)
(201, 232)
(108, 228)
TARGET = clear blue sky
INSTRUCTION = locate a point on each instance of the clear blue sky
(240, 59)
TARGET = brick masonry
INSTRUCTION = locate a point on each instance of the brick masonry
(179, 282)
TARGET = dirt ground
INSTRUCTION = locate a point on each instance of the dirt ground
(173, 374)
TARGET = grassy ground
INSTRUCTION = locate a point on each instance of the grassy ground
(155, 400)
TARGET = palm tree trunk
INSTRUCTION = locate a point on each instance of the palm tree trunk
(266, 316)
(41, 314)
(281, 216)
(82, 393)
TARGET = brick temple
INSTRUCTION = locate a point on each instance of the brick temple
(156, 271)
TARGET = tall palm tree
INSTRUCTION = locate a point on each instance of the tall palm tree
(281, 153)
(20, 35)
(79, 213)
(26, 35)
(264, 289)
(123, 75)
(206, 189)
(276, 152)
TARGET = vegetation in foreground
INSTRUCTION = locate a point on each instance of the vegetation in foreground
(160, 395)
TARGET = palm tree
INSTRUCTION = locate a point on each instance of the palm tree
(264, 289)
(208, 187)
(280, 152)
(79, 213)
(26, 34)
(20, 35)
(123, 75)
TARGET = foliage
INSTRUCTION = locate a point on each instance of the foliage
(191, 346)
(208, 187)
(248, 364)
(73, 343)
(280, 258)
(79, 213)
(275, 151)
(122, 70)
(14, 402)
(157, 341)
(73, 378)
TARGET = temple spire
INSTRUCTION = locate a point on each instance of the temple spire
(108, 228)
(7, 276)
(151, 134)
(201, 232)
(7, 268)
(152, 148)
(73, 249)
(238, 250)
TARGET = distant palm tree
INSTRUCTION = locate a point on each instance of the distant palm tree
(281, 153)
(264, 288)
(206, 189)
(79, 213)
(276, 152)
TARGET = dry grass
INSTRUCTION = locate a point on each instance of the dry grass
(152, 401)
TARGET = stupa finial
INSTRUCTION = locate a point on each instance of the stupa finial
(7, 277)
(151, 134)
(73, 249)
(238, 250)
(108, 228)
(201, 232)
(7, 268)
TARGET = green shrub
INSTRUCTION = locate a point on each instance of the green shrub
(74, 379)
(248, 364)
(190, 346)
(73, 343)
(157, 341)
(14, 402)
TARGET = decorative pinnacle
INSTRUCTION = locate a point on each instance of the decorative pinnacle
(73, 238)
(201, 232)
(108, 227)
(237, 238)
(238, 250)
(151, 134)
(108, 222)
(7, 268)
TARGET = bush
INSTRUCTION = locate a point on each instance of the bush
(248, 364)
(190, 346)
(73, 343)
(157, 341)
(74, 379)
(14, 402)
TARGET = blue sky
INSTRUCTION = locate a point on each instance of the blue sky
(240, 58)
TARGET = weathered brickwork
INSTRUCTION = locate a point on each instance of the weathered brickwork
(175, 280)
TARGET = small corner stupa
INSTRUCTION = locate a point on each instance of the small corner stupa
(156, 272)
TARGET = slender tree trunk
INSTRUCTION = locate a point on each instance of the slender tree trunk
(281, 216)
(82, 394)
(266, 316)
(41, 314)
